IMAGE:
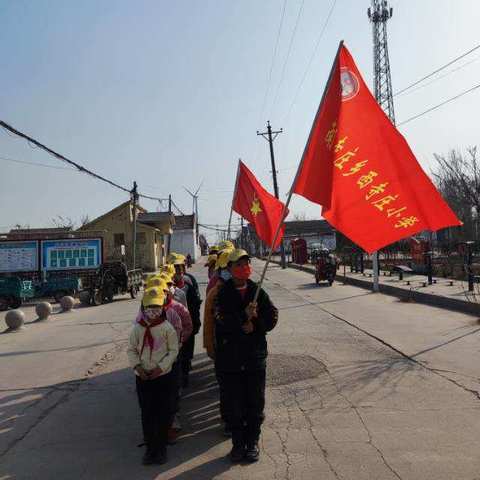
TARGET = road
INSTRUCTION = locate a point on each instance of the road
(360, 386)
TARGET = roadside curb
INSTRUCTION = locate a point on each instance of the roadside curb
(402, 293)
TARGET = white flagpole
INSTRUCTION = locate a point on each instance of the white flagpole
(290, 193)
(234, 193)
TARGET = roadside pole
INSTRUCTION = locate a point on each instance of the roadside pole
(134, 194)
(270, 136)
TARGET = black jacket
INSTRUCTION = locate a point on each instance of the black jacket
(235, 350)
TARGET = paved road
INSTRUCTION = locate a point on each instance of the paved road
(360, 386)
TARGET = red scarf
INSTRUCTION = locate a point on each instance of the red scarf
(180, 283)
(148, 337)
(167, 305)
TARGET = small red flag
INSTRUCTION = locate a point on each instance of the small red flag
(361, 170)
(255, 204)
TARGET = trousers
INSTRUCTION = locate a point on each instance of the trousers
(244, 404)
(155, 400)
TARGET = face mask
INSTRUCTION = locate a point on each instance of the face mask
(225, 275)
(242, 272)
(172, 290)
(153, 313)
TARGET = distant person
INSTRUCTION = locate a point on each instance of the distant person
(188, 284)
(223, 275)
(152, 350)
(189, 261)
(211, 261)
(241, 326)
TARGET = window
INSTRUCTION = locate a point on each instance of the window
(118, 239)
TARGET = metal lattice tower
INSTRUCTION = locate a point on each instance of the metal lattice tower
(379, 14)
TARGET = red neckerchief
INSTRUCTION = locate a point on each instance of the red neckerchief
(148, 337)
(180, 283)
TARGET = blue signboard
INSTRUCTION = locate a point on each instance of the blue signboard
(18, 256)
(74, 254)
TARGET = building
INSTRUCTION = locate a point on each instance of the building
(117, 226)
(317, 233)
(185, 236)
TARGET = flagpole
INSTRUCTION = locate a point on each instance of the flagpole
(290, 193)
(234, 192)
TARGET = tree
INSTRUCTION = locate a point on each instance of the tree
(84, 219)
(457, 177)
(63, 222)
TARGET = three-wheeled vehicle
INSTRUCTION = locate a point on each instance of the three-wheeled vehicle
(14, 291)
(112, 278)
(325, 265)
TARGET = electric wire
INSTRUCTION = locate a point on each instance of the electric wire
(439, 105)
(309, 65)
(31, 141)
(437, 70)
(273, 61)
(289, 51)
(24, 162)
(408, 92)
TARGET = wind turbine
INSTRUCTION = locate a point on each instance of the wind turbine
(195, 204)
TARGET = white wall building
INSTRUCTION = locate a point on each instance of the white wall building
(184, 238)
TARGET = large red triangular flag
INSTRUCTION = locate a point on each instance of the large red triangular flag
(255, 204)
(362, 171)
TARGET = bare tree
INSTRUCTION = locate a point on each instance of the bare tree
(299, 217)
(63, 222)
(84, 219)
(457, 177)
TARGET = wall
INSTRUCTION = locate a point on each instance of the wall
(183, 241)
(119, 221)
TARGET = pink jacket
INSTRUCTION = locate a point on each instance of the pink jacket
(182, 312)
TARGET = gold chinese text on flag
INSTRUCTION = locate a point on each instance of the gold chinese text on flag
(259, 207)
(361, 169)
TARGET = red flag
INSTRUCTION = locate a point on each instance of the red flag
(255, 204)
(362, 171)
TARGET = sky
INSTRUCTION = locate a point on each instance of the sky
(171, 94)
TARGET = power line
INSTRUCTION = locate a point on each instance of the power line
(317, 43)
(80, 168)
(273, 61)
(175, 205)
(292, 38)
(408, 92)
(438, 70)
(24, 162)
(439, 105)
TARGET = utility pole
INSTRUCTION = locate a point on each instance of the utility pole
(169, 239)
(134, 196)
(270, 136)
(379, 14)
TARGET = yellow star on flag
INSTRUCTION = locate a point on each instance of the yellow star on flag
(255, 208)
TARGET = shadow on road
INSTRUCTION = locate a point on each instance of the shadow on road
(89, 428)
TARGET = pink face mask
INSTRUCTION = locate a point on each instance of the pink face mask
(153, 313)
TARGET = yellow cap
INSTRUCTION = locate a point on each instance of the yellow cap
(224, 244)
(222, 259)
(166, 277)
(237, 254)
(153, 296)
(179, 259)
(170, 269)
(212, 259)
(156, 281)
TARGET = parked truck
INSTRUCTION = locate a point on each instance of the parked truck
(14, 290)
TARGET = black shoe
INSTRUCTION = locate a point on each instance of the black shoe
(252, 453)
(237, 454)
(148, 458)
(161, 457)
(227, 432)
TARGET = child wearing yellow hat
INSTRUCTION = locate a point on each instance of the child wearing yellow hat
(152, 350)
